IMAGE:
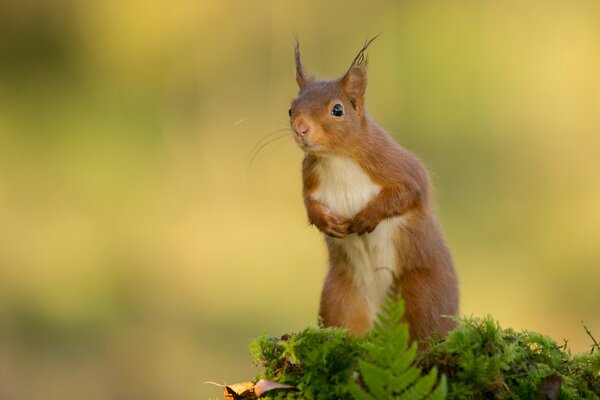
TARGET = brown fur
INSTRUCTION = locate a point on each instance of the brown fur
(425, 275)
(341, 301)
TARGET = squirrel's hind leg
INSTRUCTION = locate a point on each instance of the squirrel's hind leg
(342, 303)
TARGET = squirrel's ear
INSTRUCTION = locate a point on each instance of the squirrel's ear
(301, 77)
(354, 84)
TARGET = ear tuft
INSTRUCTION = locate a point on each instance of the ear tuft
(361, 58)
(354, 82)
(301, 76)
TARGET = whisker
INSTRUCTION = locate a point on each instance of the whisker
(278, 145)
(263, 146)
(267, 136)
(261, 118)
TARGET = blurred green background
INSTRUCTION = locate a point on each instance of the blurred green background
(138, 250)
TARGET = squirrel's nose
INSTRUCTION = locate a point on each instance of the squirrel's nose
(301, 128)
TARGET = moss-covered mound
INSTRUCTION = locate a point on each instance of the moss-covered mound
(479, 360)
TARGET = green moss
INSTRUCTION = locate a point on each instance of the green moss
(318, 361)
(329, 363)
(479, 360)
(482, 360)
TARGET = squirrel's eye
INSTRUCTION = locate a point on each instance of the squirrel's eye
(290, 112)
(337, 110)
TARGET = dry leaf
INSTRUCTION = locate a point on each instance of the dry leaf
(237, 391)
(248, 390)
(264, 386)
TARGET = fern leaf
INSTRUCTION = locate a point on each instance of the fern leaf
(389, 316)
(421, 388)
(358, 393)
(440, 391)
(377, 379)
(402, 361)
(407, 378)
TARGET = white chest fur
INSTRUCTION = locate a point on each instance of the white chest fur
(346, 189)
(343, 186)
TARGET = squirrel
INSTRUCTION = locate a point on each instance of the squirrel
(371, 198)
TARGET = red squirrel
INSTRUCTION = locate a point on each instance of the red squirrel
(372, 200)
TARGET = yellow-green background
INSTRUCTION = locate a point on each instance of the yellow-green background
(138, 251)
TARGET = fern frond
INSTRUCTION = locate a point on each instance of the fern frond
(386, 369)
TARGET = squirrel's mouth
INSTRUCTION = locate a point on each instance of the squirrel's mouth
(310, 147)
(307, 146)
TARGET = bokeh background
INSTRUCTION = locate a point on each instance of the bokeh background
(144, 239)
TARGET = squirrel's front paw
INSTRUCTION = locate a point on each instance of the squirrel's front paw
(363, 223)
(329, 223)
(335, 226)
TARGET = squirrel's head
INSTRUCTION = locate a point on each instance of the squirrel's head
(329, 115)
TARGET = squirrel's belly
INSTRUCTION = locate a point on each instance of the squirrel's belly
(346, 189)
(373, 258)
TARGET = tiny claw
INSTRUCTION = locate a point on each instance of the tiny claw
(335, 234)
(361, 228)
(336, 226)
